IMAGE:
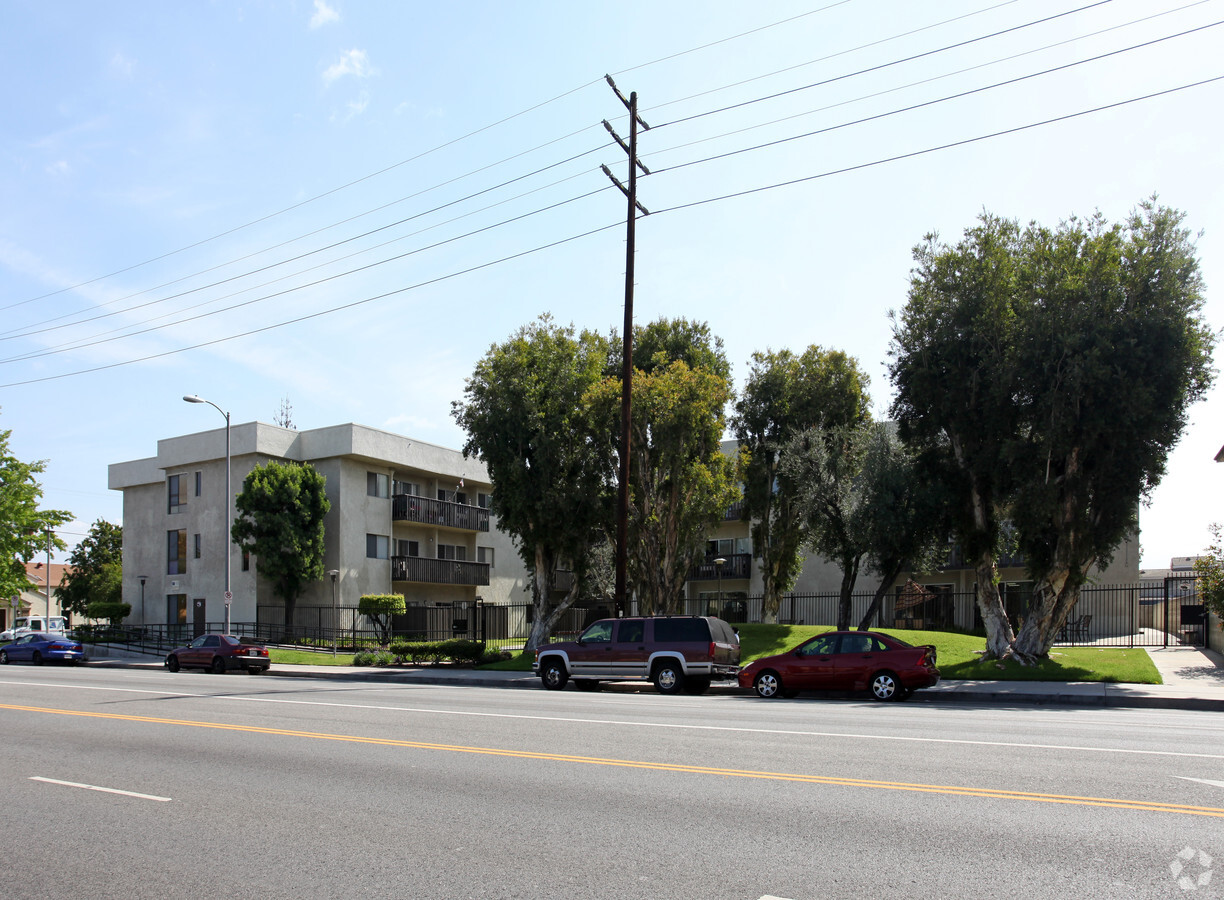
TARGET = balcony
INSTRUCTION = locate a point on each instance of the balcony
(734, 512)
(407, 508)
(424, 570)
(737, 565)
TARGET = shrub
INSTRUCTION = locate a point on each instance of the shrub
(380, 608)
(373, 658)
(113, 612)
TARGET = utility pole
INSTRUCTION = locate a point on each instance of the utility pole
(622, 506)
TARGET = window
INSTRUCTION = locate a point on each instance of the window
(599, 633)
(485, 555)
(376, 485)
(484, 500)
(176, 609)
(407, 548)
(177, 501)
(451, 551)
(378, 546)
(199, 482)
(668, 630)
(246, 560)
(452, 496)
(196, 541)
(411, 488)
(176, 552)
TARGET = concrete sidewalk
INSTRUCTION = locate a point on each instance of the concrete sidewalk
(1193, 679)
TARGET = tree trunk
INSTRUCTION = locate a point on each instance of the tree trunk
(546, 618)
(886, 579)
(1054, 597)
(849, 579)
(999, 634)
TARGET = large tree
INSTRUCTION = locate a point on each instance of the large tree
(783, 396)
(280, 520)
(24, 527)
(1112, 351)
(952, 370)
(95, 569)
(681, 484)
(527, 416)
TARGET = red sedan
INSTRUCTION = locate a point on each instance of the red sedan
(220, 653)
(845, 661)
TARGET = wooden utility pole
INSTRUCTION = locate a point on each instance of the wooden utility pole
(622, 506)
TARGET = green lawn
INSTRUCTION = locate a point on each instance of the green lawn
(958, 654)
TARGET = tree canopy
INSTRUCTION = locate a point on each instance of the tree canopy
(24, 527)
(527, 415)
(784, 395)
(95, 570)
(1052, 369)
(280, 520)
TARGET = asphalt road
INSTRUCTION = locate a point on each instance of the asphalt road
(286, 787)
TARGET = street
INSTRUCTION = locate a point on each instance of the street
(291, 787)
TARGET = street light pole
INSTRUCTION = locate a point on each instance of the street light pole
(143, 579)
(334, 573)
(229, 499)
(718, 564)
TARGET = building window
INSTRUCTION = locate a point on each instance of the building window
(485, 555)
(196, 540)
(176, 609)
(176, 552)
(378, 546)
(452, 551)
(376, 485)
(452, 496)
(199, 482)
(408, 548)
(484, 500)
(177, 501)
(246, 560)
(411, 488)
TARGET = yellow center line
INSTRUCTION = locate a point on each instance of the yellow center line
(955, 790)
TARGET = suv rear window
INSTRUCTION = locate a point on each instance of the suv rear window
(676, 630)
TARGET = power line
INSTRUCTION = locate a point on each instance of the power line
(676, 208)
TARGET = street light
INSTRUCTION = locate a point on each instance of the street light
(335, 574)
(229, 540)
(718, 564)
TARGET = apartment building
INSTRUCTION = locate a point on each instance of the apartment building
(406, 517)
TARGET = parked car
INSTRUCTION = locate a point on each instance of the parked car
(677, 653)
(26, 624)
(38, 647)
(845, 661)
(219, 653)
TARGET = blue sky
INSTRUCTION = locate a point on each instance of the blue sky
(255, 201)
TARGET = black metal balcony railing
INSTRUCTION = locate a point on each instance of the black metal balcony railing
(737, 565)
(734, 512)
(438, 571)
(408, 508)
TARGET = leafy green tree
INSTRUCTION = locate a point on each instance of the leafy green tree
(785, 395)
(24, 526)
(681, 484)
(1112, 351)
(280, 521)
(527, 416)
(1210, 571)
(953, 372)
(95, 570)
(380, 608)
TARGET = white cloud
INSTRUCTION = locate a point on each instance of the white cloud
(323, 15)
(122, 66)
(352, 62)
(58, 168)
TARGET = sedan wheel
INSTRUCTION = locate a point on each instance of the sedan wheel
(36, 658)
(885, 686)
(172, 663)
(768, 684)
(3, 658)
(218, 665)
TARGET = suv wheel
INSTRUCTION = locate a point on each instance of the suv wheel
(553, 674)
(668, 679)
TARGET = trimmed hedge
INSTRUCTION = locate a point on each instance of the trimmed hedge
(438, 651)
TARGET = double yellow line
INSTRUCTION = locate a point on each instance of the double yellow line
(954, 790)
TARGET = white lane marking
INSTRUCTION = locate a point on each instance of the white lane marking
(105, 790)
(1219, 784)
(847, 735)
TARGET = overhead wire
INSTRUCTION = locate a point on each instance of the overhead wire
(675, 208)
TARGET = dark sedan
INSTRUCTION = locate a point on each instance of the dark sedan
(886, 666)
(38, 647)
(220, 653)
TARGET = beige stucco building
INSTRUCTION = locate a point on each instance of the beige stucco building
(406, 517)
